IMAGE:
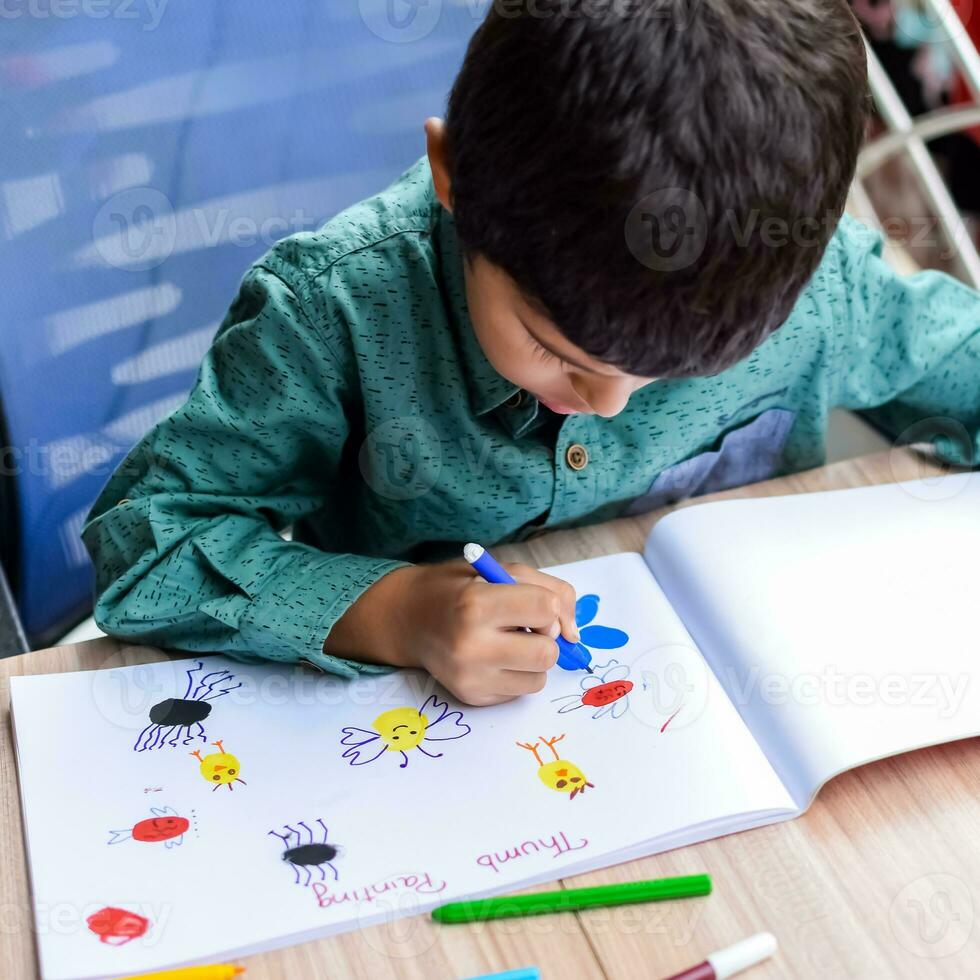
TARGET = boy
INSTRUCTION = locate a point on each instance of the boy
(615, 281)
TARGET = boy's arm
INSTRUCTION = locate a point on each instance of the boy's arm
(185, 535)
(911, 349)
(188, 555)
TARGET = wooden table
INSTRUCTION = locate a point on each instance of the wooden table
(880, 879)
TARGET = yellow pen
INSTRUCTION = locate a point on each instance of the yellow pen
(217, 971)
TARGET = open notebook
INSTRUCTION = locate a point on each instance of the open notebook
(197, 809)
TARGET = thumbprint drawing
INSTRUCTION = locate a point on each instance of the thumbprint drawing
(173, 717)
(402, 729)
(166, 826)
(116, 927)
(606, 690)
(558, 774)
(304, 851)
(591, 635)
(220, 768)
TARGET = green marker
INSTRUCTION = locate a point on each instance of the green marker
(572, 899)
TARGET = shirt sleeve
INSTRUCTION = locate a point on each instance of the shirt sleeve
(186, 537)
(907, 349)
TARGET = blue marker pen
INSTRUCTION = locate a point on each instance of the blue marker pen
(571, 656)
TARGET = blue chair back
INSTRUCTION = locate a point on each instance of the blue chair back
(149, 151)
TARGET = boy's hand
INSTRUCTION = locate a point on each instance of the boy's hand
(463, 631)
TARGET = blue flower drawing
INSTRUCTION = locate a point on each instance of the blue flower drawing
(593, 637)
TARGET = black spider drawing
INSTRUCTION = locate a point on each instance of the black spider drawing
(302, 851)
(173, 717)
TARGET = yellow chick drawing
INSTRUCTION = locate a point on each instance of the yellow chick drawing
(401, 728)
(559, 774)
(220, 768)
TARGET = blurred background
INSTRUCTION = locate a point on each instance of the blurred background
(150, 150)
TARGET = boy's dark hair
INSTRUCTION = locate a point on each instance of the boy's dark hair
(662, 177)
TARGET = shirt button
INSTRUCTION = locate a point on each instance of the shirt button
(515, 400)
(577, 456)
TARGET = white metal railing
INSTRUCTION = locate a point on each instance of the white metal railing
(928, 126)
(909, 136)
(964, 53)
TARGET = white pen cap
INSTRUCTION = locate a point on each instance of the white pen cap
(734, 959)
(472, 552)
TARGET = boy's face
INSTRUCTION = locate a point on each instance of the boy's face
(519, 341)
(525, 347)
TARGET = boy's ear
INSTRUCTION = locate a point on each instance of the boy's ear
(435, 147)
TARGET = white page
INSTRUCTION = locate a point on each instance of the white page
(476, 820)
(843, 624)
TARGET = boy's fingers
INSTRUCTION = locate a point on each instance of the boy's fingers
(513, 606)
(481, 700)
(514, 683)
(524, 652)
(562, 589)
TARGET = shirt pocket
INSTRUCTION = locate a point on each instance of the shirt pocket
(747, 454)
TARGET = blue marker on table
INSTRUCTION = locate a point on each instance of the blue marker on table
(571, 656)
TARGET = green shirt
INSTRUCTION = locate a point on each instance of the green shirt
(346, 396)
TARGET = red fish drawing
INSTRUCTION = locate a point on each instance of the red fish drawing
(607, 690)
(165, 825)
(603, 694)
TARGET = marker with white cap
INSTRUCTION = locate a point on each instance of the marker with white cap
(727, 962)
(571, 656)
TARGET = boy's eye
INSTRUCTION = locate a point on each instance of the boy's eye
(546, 355)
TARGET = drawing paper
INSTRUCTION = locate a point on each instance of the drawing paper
(199, 808)
(843, 624)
